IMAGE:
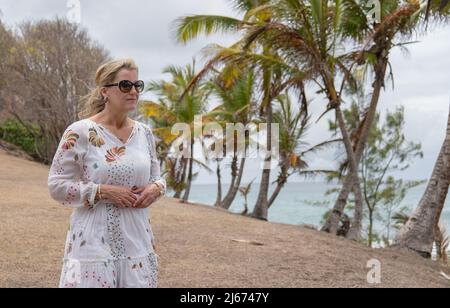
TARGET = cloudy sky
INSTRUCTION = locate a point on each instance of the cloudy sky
(142, 30)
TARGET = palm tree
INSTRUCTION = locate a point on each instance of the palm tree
(170, 110)
(307, 34)
(272, 76)
(293, 128)
(419, 233)
(235, 88)
(315, 36)
(397, 23)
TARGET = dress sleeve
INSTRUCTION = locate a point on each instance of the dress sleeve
(155, 170)
(65, 181)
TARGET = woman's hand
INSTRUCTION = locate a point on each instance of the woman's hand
(148, 195)
(121, 196)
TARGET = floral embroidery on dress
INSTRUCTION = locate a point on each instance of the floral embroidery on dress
(114, 154)
(105, 240)
(115, 232)
(95, 139)
(70, 139)
(72, 194)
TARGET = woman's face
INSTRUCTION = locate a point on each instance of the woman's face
(119, 101)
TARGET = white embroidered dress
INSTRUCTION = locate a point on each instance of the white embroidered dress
(106, 246)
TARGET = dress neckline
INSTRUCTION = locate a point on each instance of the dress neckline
(111, 133)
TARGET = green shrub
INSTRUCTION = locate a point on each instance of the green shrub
(14, 132)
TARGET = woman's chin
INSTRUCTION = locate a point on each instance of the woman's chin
(131, 106)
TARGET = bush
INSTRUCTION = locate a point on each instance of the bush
(14, 132)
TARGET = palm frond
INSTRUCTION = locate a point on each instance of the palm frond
(191, 27)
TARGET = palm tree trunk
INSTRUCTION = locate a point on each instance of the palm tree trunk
(219, 184)
(356, 227)
(234, 174)
(184, 162)
(275, 194)
(332, 223)
(281, 182)
(191, 167)
(419, 232)
(261, 210)
(228, 201)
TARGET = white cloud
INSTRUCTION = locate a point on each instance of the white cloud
(141, 30)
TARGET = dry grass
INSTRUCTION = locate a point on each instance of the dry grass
(198, 246)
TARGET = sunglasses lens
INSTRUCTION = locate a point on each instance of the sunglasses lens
(125, 86)
(140, 86)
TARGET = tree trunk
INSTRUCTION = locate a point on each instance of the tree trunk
(370, 228)
(356, 226)
(228, 201)
(183, 178)
(234, 174)
(281, 182)
(261, 210)
(191, 167)
(219, 184)
(419, 232)
(332, 223)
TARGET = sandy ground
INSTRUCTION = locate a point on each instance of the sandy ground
(198, 246)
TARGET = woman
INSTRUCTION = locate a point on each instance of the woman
(106, 169)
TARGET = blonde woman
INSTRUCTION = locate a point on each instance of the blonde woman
(106, 169)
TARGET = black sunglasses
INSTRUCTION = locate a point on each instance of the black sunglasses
(126, 86)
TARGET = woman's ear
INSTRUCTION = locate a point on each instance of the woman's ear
(104, 92)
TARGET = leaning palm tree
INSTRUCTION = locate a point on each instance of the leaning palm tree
(419, 233)
(170, 110)
(307, 35)
(334, 39)
(397, 23)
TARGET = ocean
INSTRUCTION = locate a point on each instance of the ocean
(303, 203)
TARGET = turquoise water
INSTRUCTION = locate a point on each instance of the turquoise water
(294, 203)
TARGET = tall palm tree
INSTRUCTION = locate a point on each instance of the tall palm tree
(397, 23)
(316, 35)
(307, 35)
(170, 110)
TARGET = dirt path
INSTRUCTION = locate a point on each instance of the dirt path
(196, 244)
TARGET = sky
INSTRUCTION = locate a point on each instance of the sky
(142, 30)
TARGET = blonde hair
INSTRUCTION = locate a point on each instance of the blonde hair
(94, 102)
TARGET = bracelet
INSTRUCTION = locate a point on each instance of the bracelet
(99, 196)
(161, 189)
(100, 192)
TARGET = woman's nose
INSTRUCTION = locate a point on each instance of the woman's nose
(134, 91)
